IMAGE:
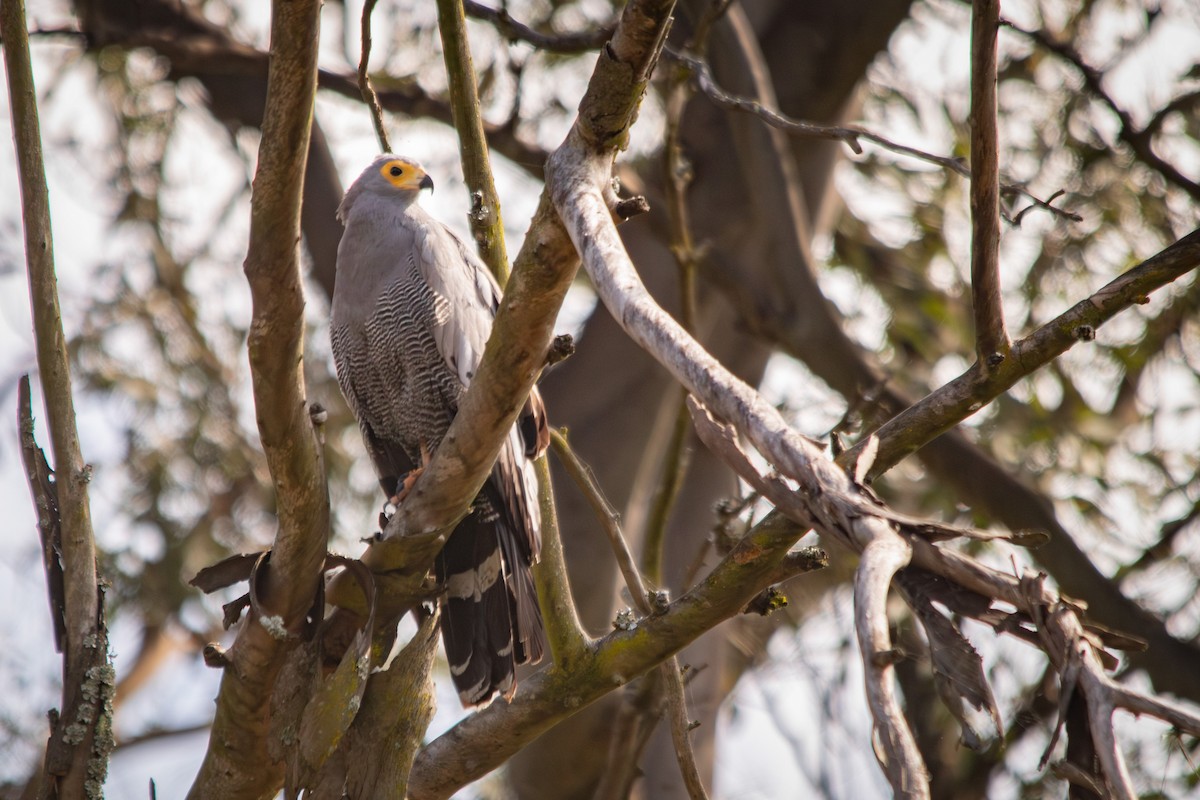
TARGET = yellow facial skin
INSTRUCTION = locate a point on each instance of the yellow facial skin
(405, 175)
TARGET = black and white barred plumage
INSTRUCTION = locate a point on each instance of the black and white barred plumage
(412, 311)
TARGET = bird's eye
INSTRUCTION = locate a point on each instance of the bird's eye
(396, 171)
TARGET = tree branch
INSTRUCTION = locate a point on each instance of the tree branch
(487, 224)
(364, 80)
(237, 763)
(514, 31)
(1139, 141)
(991, 335)
(945, 407)
(846, 134)
(485, 740)
(82, 735)
(563, 631)
(642, 600)
(834, 501)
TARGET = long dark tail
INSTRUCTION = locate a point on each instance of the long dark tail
(490, 617)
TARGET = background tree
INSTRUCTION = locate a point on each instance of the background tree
(864, 282)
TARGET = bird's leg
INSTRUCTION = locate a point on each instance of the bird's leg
(405, 484)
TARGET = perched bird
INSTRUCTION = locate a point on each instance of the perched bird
(412, 309)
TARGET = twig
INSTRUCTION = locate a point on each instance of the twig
(848, 135)
(237, 762)
(608, 517)
(87, 672)
(364, 79)
(991, 336)
(514, 31)
(678, 177)
(487, 225)
(681, 727)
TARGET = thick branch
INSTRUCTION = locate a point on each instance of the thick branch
(832, 499)
(991, 336)
(69, 758)
(237, 764)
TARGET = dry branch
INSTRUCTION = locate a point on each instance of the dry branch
(576, 182)
(850, 135)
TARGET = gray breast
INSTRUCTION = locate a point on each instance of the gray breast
(402, 387)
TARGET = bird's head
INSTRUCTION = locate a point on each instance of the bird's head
(389, 177)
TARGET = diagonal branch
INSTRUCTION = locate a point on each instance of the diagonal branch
(642, 600)
(991, 336)
(485, 740)
(945, 407)
(236, 764)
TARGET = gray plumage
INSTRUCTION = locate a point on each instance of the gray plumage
(412, 311)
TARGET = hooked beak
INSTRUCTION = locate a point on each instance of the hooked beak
(427, 183)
